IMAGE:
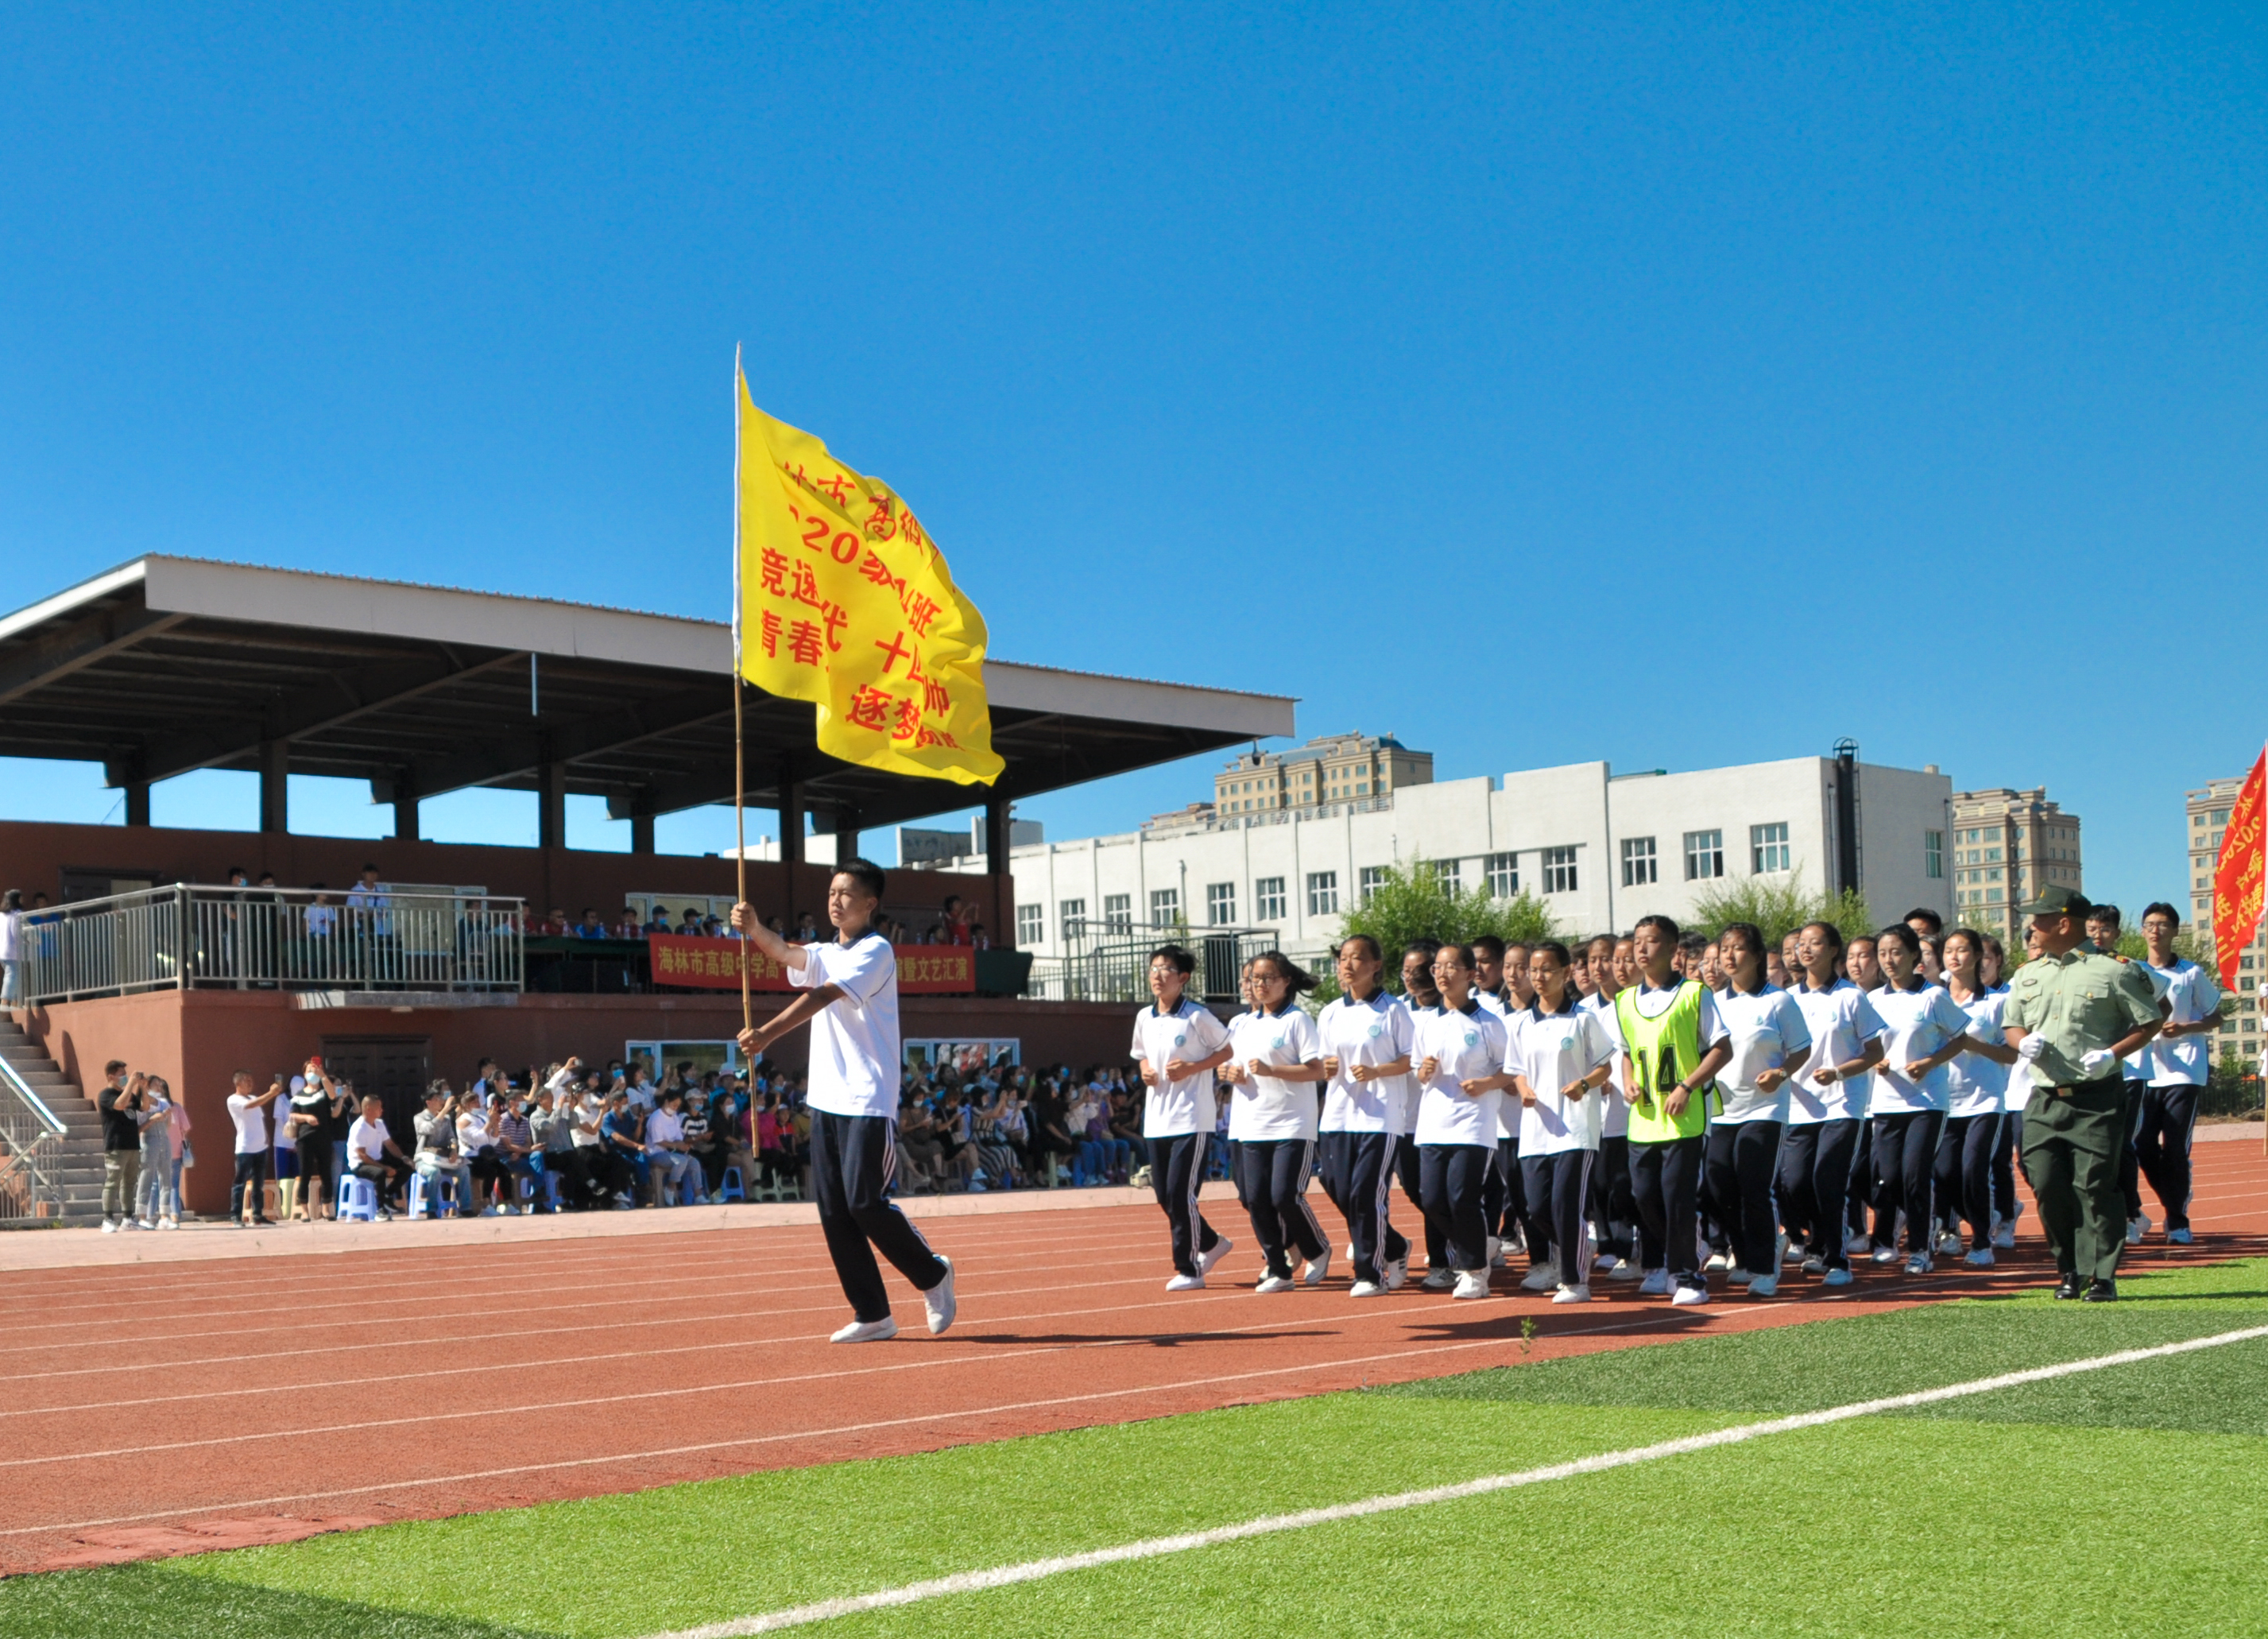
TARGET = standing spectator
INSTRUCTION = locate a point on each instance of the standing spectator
(370, 920)
(152, 1206)
(285, 1168)
(247, 1190)
(124, 1108)
(308, 1120)
(439, 1153)
(551, 1124)
(667, 1163)
(12, 948)
(164, 1192)
(368, 1146)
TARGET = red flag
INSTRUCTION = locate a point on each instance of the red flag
(2237, 876)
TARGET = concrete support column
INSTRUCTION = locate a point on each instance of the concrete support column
(641, 832)
(551, 806)
(275, 799)
(790, 818)
(405, 810)
(846, 833)
(137, 803)
(997, 833)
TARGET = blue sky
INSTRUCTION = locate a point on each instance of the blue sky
(1674, 387)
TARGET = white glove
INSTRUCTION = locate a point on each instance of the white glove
(2097, 1058)
(2031, 1047)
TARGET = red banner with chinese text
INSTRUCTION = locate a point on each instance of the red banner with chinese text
(714, 965)
(2238, 875)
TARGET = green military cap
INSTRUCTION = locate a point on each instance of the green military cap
(2059, 902)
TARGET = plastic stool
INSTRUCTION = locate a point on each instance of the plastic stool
(358, 1199)
(445, 1205)
(730, 1187)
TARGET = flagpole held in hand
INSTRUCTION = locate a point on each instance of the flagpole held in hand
(740, 738)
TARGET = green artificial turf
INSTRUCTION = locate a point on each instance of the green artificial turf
(2125, 1500)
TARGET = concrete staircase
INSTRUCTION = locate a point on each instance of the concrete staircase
(80, 1167)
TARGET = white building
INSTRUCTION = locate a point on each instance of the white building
(1600, 849)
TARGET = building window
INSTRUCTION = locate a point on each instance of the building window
(1503, 874)
(1451, 875)
(1705, 854)
(1070, 916)
(1031, 927)
(1322, 893)
(1768, 849)
(1933, 855)
(1118, 913)
(1639, 864)
(1559, 870)
(1268, 899)
(1220, 904)
(1165, 906)
(1372, 878)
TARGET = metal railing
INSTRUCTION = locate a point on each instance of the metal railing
(186, 936)
(31, 1147)
(1119, 970)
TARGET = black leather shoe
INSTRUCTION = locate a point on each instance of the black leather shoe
(2067, 1288)
(2102, 1291)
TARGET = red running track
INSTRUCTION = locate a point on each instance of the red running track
(171, 1409)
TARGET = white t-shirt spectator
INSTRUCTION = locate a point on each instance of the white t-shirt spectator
(473, 1134)
(1263, 1107)
(365, 1141)
(1764, 1029)
(854, 1042)
(1189, 1032)
(2188, 990)
(1549, 1051)
(251, 1124)
(578, 1111)
(1841, 1021)
(1373, 1032)
(1470, 1045)
(661, 1127)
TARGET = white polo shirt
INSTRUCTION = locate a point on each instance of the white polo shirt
(1917, 1023)
(1841, 1021)
(1614, 1118)
(1189, 1032)
(1261, 1107)
(1765, 1030)
(1977, 1085)
(1468, 1045)
(1549, 1051)
(2189, 992)
(854, 1042)
(1376, 1031)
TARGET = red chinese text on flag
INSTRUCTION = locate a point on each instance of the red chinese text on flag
(2238, 875)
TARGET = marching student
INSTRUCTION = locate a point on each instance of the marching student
(1179, 1043)
(1673, 1043)
(1924, 1030)
(1460, 1061)
(1513, 1212)
(1274, 1064)
(1769, 1042)
(1500, 1197)
(851, 1001)
(1559, 1056)
(1866, 972)
(1994, 973)
(1422, 998)
(1614, 1209)
(1828, 1104)
(1977, 1085)
(1366, 1035)
(2178, 1059)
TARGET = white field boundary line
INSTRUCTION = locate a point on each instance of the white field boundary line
(1154, 1547)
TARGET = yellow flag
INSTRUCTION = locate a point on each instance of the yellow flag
(845, 602)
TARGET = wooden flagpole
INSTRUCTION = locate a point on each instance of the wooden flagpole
(740, 738)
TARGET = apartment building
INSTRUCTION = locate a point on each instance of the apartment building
(1331, 769)
(2206, 813)
(2008, 845)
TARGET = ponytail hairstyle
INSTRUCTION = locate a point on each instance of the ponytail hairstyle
(1297, 979)
(1898, 933)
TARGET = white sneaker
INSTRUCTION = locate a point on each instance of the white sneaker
(110, 1226)
(169, 1223)
(1837, 1277)
(1605, 1263)
(1438, 1279)
(1397, 1272)
(1738, 1276)
(1221, 1249)
(1718, 1260)
(2180, 1237)
(2136, 1228)
(1542, 1278)
(1687, 1297)
(867, 1331)
(1981, 1258)
(1572, 1295)
(977, 1186)
(1855, 1244)
(1496, 1251)
(1791, 1252)
(1186, 1283)
(1764, 1285)
(938, 1300)
(1920, 1263)
(1316, 1270)
(2005, 1237)
(1471, 1283)
(1814, 1264)
(1656, 1284)
(1624, 1269)
(1273, 1283)
(1948, 1244)
(1885, 1254)
(1365, 1289)
(140, 1223)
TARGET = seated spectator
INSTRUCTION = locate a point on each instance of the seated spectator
(956, 1140)
(477, 1143)
(657, 922)
(703, 1141)
(622, 1130)
(439, 1153)
(1049, 1117)
(582, 1109)
(691, 926)
(368, 1146)
(667, 1163)
(806, 928)
(918, 1143)
(515, 1147)
(978, 939)
(590, 926)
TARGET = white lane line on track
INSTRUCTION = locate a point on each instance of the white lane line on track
(1154, 1547)
(1170, 1387)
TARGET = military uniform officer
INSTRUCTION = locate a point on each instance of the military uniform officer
(2072, 1014)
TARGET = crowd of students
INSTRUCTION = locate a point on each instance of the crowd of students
(1653, 1107)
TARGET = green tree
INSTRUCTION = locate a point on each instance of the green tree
(1778, 906)
(1409, 903)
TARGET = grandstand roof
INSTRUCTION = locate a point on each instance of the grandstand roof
(165, 665)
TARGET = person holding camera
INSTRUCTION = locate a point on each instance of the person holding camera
(124, 1106)
(249, 1110)
(308, 1121)
(438, 1153)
